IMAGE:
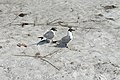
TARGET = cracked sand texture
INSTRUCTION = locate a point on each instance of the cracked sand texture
(93, 54)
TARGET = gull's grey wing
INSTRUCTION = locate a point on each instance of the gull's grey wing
(63, 42)
(49, 35)
(65, 39)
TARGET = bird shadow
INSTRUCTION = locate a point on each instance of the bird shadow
(43, 42)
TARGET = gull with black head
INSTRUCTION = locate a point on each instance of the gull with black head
(49, 35)
(66, 39)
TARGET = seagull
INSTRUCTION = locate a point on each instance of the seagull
(66, 39)
(49, 35)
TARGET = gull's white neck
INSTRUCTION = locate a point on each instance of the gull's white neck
(70, 34)
(53, 32)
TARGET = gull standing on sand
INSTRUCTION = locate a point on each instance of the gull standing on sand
(66, 39)
(49, 35)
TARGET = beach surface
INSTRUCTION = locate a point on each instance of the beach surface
(93, 54)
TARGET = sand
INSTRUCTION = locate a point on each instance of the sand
(93, 54)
